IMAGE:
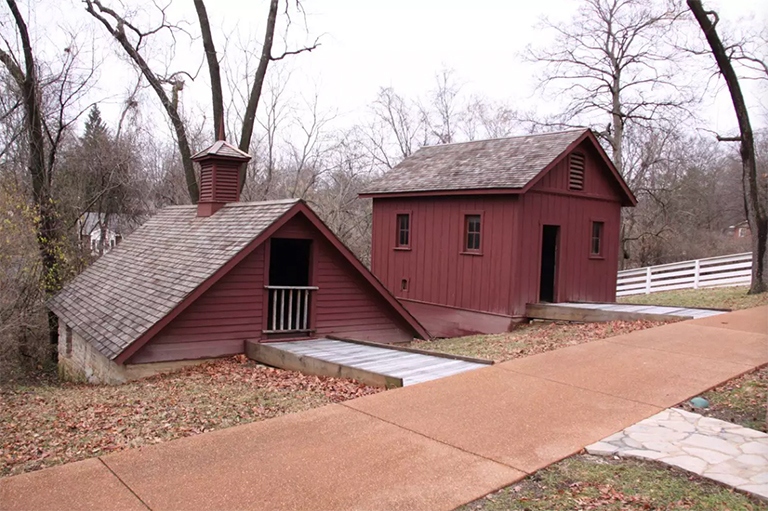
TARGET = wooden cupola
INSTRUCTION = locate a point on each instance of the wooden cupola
(219, 176)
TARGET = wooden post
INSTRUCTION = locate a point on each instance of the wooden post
(696, 273)
(648, 280)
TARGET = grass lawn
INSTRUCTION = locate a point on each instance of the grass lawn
(49, 423)
(586, 482)
(734, 298)
(530, 339)
(741, 401)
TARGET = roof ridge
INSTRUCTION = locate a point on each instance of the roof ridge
(261, 203)
(507, 138)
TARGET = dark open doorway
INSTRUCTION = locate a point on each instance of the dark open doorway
(289, 280)
(289, 262)
(549, 241)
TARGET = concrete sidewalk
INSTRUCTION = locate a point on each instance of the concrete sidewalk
(434, 445)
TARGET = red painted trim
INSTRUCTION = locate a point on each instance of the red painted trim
(442, 193)
(568, 193)
(461, 308)
(465, 232)
(299, 207)
(600, 255)
(398, 213)
(265, 304)
(202, 288)
(588, 135)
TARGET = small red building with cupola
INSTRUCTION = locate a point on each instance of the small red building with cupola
(466, 234)
(196, 282)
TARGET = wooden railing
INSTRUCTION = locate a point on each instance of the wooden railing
(289, 308)
(730, 270)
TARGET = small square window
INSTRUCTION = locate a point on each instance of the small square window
(472, 233)
(596, 247)
(403, 239)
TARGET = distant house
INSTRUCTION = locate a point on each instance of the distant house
(195, 282)
(91, 226)
(466, 234)
(739, 231)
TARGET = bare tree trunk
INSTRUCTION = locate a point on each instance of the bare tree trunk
(756, 213)
(170, 106)
(47, 233)
(249, 117)
(213, 68)
(617, 137)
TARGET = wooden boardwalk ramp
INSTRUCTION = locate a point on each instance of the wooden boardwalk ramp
(374, 364)
(594, 312)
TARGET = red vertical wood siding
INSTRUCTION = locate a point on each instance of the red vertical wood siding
(436, 267)
(216, 323)
(232, 310)
(345, 304)
(506, 276)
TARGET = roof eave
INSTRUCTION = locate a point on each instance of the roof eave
(427, 193)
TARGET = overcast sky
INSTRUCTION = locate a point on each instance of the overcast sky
(368, 44)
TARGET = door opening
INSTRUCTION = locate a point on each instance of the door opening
(289, 289)
(549, 241)
(289, 262)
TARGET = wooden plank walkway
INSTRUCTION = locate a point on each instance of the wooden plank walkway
(412, 368)
(647, 309)
(592, 312)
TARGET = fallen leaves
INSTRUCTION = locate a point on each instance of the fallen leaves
(49, 423)
(741, 401)
(533, 338)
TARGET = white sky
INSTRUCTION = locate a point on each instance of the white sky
(369, 44)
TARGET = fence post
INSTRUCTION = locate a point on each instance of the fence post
(648, 280)
(696, 273)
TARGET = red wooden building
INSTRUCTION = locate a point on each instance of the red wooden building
(195, 282)
(466, 234)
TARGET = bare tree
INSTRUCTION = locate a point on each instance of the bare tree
(132, 39)
(47, 105)
(615, 60)
(757, 216)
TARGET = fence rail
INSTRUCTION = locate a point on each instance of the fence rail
(730, 270)
(289, 308)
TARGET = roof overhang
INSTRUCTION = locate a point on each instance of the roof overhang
(627, 197)
(299, 208)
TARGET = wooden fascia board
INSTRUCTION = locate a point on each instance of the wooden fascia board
(629, 197)
(365, 272)
(248, 249)
(616, 174)
(202, 288)
(442, 193)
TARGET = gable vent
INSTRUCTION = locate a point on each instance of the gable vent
(576, 171)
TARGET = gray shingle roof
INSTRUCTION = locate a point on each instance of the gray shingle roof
(128, 290)
(223, 148)
(483, 164)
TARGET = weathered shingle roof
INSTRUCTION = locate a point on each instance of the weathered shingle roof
(128, 290)
(223, 148)
(483, 164)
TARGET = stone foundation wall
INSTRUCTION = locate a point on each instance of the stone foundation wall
(84, 363)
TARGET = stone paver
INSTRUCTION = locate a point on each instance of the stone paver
(719, 450)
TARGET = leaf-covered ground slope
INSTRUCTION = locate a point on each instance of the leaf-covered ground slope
(48, 424)
(530, 339)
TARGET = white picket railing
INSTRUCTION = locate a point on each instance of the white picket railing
(289, 308)
(730, 270)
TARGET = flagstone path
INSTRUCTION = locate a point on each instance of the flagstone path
(712, 448)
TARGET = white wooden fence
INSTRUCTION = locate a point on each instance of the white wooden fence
(730, 270)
